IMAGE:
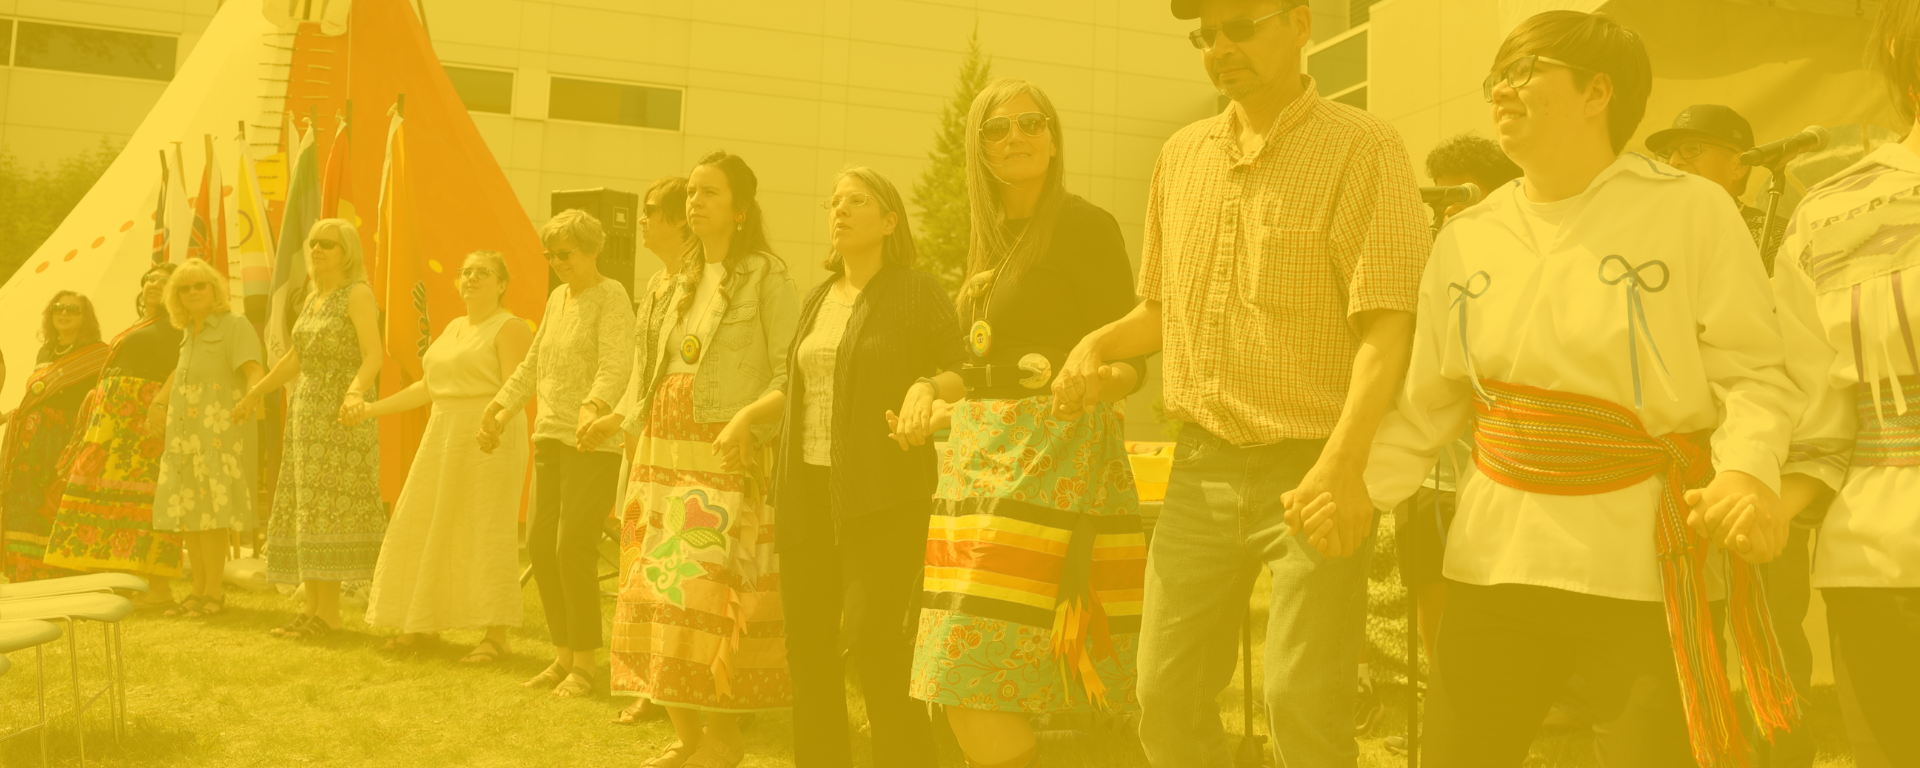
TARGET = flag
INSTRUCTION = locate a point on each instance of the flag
(214, 203)
(199, 243)
(160, 214)
(290, 266)
(252, 237)
(408, 326)
(336, 187)
(179, 216)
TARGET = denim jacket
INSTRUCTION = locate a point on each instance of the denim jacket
(746, 359)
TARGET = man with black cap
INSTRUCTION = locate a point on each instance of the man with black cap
(1279, 272)
(1706, 140)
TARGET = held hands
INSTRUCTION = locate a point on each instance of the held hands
(354, 409)
(914, 422)
(1077, 387)
(1740, 513)
(939, 417)
(490, 427)
(248, 407)
(595, 432)
(734, 445)
(1330, 507)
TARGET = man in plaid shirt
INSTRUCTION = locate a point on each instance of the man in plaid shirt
(1280, 268)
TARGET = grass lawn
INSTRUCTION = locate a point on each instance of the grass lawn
(222, 694)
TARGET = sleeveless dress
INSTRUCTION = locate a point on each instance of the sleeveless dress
(327, 521)
(105, 517)
(451, 558)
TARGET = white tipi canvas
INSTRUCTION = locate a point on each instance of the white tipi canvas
(105, 244)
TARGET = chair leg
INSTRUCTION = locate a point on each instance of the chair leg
(120, 674)
(40, 665)
(113, 678)
(73, 663)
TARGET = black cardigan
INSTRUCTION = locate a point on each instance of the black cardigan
(903, 327)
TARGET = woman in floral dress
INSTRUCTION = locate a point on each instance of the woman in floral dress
(327, 521)
(105, 517)
(38, 432)
(206, 486)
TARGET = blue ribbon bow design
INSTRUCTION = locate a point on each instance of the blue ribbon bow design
(1636, 312)
(1462, 293)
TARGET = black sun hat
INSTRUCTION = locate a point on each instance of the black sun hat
(1710, 120)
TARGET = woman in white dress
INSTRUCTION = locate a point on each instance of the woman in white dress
(451, 555)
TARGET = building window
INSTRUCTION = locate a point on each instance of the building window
(1339, 68)
(94, 51)
(596, 101)
(483, 90)
(1359, 11)
(6, 41)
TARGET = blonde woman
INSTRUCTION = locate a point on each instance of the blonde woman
(327, 521)
(206, 485)
(451, 558)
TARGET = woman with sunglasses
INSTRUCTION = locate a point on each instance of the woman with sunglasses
(578, 365)
(451, 558)
(38, 431)
(854, 504)
(105, 517)
(698, 628)
(209, 465)
(327, 519)
(1030, 499)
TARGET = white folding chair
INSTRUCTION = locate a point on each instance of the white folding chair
(18, 636)
(104, 608)
(73, 585)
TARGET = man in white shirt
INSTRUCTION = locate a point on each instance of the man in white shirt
(1590, 323)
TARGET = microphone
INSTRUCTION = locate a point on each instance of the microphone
(1468, 193)
(1809, 140)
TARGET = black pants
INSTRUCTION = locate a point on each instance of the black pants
(883, 554)
(1877, 632)
(1506, 651)
(572, 496)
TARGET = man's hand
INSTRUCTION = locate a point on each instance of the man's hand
(1330, 507)
(1077, 387)
(1740, 513)
(597, 431)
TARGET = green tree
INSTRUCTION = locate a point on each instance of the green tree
(941, 192)
(33, 201)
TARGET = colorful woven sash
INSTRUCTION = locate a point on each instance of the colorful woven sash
(1889, 435)
(1565, 444)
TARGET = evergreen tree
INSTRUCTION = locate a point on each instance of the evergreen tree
(33, 201)
(941, 191)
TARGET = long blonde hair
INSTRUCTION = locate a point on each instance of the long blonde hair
(991, 257)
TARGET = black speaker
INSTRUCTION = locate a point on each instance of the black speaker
(619, 215)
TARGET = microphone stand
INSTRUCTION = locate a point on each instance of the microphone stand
(1776, 186)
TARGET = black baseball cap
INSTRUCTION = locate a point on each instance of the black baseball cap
(1190, 9)
(1710, 120)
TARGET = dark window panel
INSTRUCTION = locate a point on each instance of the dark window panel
(483, 90)
(95, 51)
(1357, 98)
(614, 103)
(1339, 66)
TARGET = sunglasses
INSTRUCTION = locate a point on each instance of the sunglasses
(326, 244)
(855, 200)
(68, 309)
(191, 287)
(475, 273)
(997, 129)
(1238, 30)
(559, 255)
(155, 277)
(1520, 72)
(1692, 148)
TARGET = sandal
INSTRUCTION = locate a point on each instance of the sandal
(316, 628)
(578, 685)
(634, 713)
(209, 608)
(184, 607)
(291, 628)
(675, 756)
(487, 652)
(712, 754)
(548, 678)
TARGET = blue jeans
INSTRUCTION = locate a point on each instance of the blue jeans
(1221, 521)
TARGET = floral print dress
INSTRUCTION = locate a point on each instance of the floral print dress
(208, 466)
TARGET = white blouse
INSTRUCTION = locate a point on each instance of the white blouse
(1546, 319)
(819, 353)
(1848, 243)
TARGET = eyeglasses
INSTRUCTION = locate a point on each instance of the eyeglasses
(1238, 30)
(854, 200)
(559, 255)
(1520, 72)
(68, 309)
(326, 244)
(1691, 149)
(996, 129)
(191, 287)
(475, 273)
(154, 277)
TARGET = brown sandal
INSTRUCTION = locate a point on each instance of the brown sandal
(487, 652)
(578, 685)
(634, 713)
(712, 754)
(675, 756)
(548, 678)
